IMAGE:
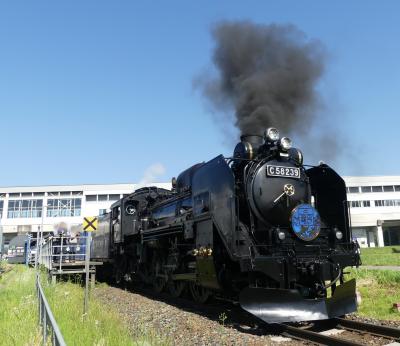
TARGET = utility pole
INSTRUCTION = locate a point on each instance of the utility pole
(89, 225)
(1, 241)
(39, 235)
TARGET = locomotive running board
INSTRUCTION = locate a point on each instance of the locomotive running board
(280, 305)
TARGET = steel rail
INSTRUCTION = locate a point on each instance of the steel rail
(383, 331)
(350, 325)
(308, 335)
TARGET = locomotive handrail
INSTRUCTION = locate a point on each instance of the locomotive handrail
(239, 158)
(174, 197)
(161, 228)
(151, 238)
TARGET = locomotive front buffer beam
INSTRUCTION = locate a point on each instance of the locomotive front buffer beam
(288, 305)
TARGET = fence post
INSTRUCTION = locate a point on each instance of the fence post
(40, 302)
(87, 260)
(44, 327)
(51, 254)
(28, 249)
(61, 251)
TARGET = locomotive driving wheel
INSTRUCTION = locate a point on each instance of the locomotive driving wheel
(158, 284)
(199, 293)
(119, 270)
(158, 277)
(176, 287)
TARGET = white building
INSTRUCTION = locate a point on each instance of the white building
(374, 207)
(30, 209)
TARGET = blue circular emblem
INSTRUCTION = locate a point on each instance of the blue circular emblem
(306, 222)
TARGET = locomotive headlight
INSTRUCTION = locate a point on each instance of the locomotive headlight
(281, 235)
(296, 155)
(339, 235)
(271, 134)
(285, 143)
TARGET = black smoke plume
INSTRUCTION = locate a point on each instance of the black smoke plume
(267, 74)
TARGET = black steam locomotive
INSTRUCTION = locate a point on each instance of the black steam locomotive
(258, 227)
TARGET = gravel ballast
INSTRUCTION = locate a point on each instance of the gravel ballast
(181, 325)
(183, 322)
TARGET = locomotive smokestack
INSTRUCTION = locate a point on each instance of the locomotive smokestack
(248, 147)
(255, 140)
(267, 73)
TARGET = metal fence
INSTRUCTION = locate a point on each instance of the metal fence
(56, 251)
(47, 321)
(67, 255)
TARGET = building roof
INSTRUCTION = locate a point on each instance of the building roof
(371, 180)
(83, 187)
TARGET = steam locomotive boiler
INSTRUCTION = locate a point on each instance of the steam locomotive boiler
(257, 227)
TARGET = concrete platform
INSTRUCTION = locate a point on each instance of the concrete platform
(76, 267)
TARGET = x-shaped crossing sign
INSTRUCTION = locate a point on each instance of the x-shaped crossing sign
(90, 223)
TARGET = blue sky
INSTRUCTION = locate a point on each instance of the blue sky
(98, 91)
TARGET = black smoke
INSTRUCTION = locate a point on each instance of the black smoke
(266, 74)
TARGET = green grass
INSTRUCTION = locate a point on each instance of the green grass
(18, 308)
(102, 326)
(99, 327)
(379, 290)
(381, 256)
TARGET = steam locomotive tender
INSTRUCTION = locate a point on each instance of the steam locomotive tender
(258, 227)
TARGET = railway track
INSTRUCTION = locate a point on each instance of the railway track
(304, 334)
(352, 333)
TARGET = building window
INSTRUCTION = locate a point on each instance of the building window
(355, 204)
(1, 209)
(397, 188)
(359, 204)
(91, 198)
(64, 207)
(25, 208)
(38, 193)
(366, 189)
(388, 188)
(15, 195)
(102, 211)
(113, 197)
(102, 198)
(353, 189)
(387, 203)
(377, 189)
